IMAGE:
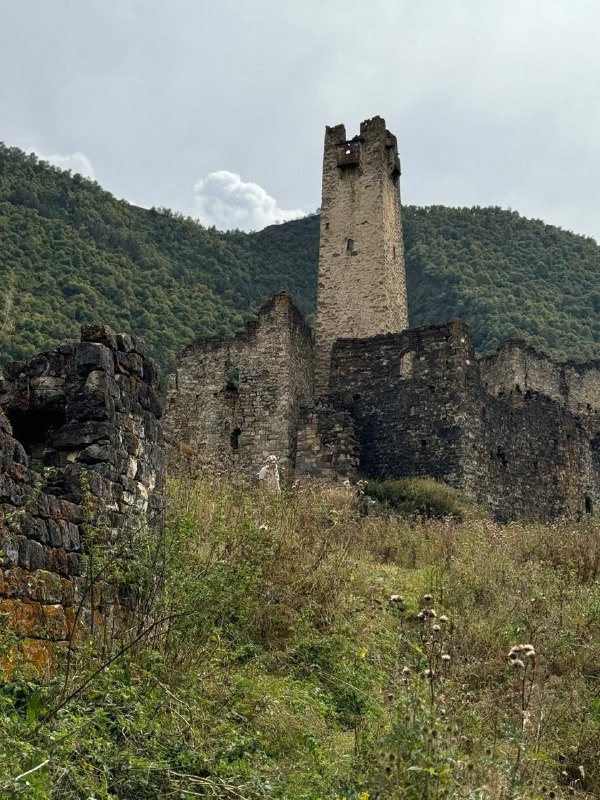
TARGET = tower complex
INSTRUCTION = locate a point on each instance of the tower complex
(367, 395)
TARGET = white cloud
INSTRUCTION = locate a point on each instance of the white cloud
(76, 162)
(224, 200)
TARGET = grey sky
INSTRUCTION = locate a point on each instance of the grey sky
(494, 102)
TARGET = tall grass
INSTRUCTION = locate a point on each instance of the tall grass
(308, 651)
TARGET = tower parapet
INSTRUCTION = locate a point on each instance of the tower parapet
(362, 279)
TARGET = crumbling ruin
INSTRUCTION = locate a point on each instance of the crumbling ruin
(518, 431)
(80, 454)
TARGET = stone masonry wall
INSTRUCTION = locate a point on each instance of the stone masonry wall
(362, 281)
(517, 431)
(87, 411)
(409, 395)
(518, 368)
(234, 401)
(532, 459)
(327, 441)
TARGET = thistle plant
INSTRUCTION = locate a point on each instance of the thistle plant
(523, 660)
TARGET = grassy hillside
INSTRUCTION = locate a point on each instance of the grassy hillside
(70, 253)
(314, 653)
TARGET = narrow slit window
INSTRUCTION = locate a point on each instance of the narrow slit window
(235, 438)
(349, 245)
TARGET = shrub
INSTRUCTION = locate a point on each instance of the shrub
(419, 497)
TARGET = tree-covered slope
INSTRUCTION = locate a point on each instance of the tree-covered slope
(70, 253)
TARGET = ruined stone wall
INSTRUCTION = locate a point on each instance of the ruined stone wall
(518, 368)
(83, 415)
(540, 425)
(533, 458)
(362, 281)
(234, 401)
(409, 394)
(328, 447)
(520, 433)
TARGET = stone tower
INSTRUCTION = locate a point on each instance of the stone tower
(362, 280)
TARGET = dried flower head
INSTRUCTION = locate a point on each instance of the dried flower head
(517, 662)
(445, 657)
(443, 618)
(436, 628)
(406, 670)
(427, 598)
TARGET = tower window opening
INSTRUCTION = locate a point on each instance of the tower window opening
(589, 506)
(235, 438)
(350, 245)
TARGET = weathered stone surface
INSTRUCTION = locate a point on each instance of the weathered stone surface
(232, 402)
(60, 410)
(508, 429)
(362, 282)
(102, 334)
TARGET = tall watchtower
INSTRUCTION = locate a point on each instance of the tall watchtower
(362, 278)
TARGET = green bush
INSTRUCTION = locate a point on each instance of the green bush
(419, 497)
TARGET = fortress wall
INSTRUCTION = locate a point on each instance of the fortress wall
(327, 441)
(533, 459)
(86, 411)
(517, 368)
(234, 401)
(421, 407)
(583, 387)
(409, 394)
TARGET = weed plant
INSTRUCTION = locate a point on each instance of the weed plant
(298, 650)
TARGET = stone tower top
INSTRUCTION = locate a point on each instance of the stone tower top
(362, 281)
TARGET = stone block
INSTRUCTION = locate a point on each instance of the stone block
(94, 453)
(125, 342)
(71, 538)
(90, 356)
(130, 364)
(100, 334)
(80, 434)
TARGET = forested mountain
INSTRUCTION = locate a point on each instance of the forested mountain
(70, 253)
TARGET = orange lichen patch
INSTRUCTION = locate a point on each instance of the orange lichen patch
(34, 619)
(39, 653)
(56, 623)
(77, 624)
(41, 585)
(15, 582)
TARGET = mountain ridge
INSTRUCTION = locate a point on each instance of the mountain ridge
(71, 253)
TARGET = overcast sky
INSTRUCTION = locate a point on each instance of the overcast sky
(217, 108)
